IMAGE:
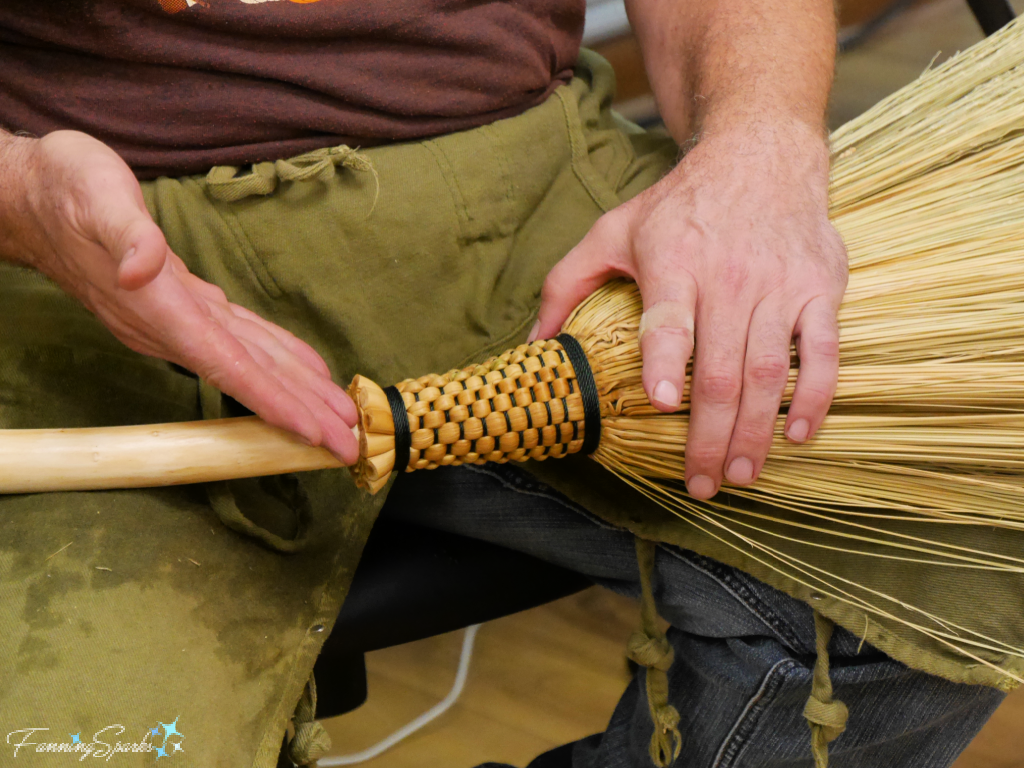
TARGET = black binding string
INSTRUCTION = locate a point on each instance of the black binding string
(403, 437)
(588, 390)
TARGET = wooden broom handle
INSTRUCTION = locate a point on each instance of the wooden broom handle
(526, 403)
(38, 460)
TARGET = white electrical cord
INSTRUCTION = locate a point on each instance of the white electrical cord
(431, 714)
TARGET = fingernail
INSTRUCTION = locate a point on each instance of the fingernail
(740, 471)
(667, 394)
(533, 333)
(798, 430)
(701, 487)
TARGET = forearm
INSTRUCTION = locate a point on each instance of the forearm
(15, 233)
(715, 64)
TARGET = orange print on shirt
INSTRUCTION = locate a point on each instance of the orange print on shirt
(175, 6)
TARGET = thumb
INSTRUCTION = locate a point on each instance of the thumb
(128, 233)
(144, 257)
(603, 254)
(666, 337)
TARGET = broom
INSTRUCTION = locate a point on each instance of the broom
(927, 424)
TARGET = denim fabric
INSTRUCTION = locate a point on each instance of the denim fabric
(743, 650)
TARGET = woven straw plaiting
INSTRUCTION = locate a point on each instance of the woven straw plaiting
(523, 404)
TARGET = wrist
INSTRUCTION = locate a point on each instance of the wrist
(776, 129)
(16, 179)
(770, 142)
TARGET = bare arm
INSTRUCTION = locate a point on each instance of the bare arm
(715, 64)
(733, 251)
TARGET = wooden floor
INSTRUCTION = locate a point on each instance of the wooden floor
(540, 679)
(552, 675)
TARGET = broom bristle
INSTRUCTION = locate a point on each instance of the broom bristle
(927, 424)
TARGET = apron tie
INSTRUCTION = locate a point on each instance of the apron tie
(827, 718)
(224, 182)
(650, 649)
(311, 741)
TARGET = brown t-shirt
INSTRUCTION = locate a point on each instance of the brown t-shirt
(176, 86)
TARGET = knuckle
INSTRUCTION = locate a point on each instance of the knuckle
(607, 233)
(607, 225)
(815, 395)
(768, 370)
(821, 346)
(836, 262)
(719, 387)
(673, 244)
(757, 434)
(734, 274)
(217, 293)
(706, 456)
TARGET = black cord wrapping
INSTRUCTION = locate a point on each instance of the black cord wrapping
(403, 437)
(588, 390)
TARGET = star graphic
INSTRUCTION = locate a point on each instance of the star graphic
(171, 729)
(160, 752)
(155, 731)
(75, 737)
(177, 747)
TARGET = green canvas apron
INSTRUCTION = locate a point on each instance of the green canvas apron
(203, 608)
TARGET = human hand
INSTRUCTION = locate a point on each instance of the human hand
(735, 258)
(73, 210)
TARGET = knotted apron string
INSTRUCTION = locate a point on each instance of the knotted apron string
(826, 717)
(311, 741)
(650, 649)
(224, 183)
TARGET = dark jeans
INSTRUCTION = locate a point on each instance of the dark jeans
(743, 650)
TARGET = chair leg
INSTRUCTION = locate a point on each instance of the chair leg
(341, 679)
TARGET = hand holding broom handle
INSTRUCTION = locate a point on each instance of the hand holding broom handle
(533, 402)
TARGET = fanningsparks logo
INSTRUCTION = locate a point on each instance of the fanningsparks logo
(163, 739)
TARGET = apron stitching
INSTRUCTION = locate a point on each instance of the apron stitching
(452, 182)
(597, 187)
